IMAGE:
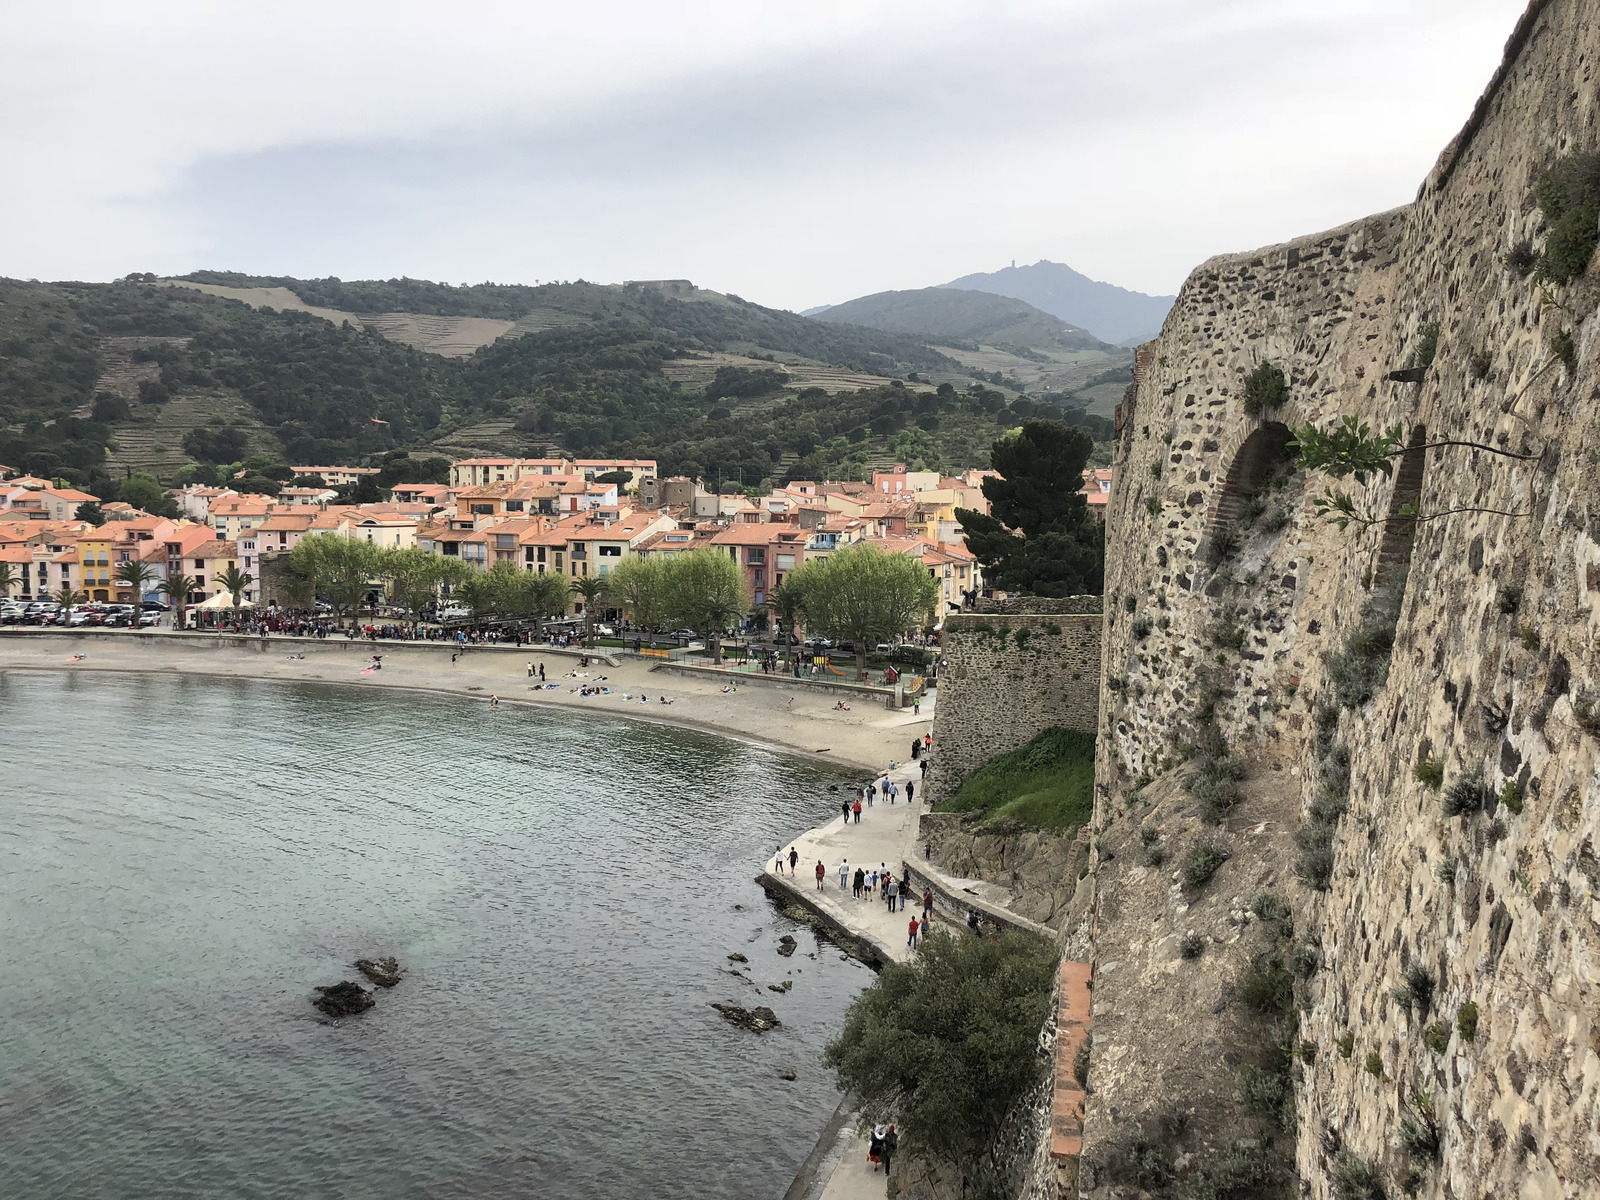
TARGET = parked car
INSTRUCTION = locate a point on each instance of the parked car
(148, 619)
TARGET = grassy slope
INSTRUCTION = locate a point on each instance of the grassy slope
(1047, 784)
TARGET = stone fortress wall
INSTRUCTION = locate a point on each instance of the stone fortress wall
(1006, 677)
(1495, 659)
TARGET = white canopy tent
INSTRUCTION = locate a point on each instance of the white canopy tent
(223, 600)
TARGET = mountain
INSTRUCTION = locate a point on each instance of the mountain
(1115, 314)
(967, 319)
(151, 375)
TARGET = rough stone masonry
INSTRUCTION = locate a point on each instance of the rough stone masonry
(1434, 832)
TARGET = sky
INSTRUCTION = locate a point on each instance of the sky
(795, 154)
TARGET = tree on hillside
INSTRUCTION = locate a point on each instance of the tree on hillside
(639, 585)
(946, 1045)
(706, 593)
(1039, 536)
(863, 594)
(342, 569)
(590, 588)
(91, 512)
(148, 496)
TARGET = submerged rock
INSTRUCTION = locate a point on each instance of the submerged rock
(759, 1019)
(780, 987)
(737, 957)
(787, 945)
(385, 972)
(789, 1075)
(343, 999)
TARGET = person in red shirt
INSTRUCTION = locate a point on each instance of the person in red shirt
(912, 940)
(856, 808)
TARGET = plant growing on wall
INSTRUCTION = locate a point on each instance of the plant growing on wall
(1568, 195)
(1265, 388)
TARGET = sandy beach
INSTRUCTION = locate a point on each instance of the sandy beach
(867, 736)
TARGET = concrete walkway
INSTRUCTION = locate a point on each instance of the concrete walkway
(887, 834)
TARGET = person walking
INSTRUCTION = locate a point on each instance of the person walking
(844, 810)
(924, 768)
(916, 706)
(916, 749)
(891, 1140)
(794, 857)
(859, 882)
(530, 668)
(913, 927)
(891, 893)
(777, 863)
(911, 790)
(927, 905)
(541, 672)
(856, 808)
(822, 873)
(872, 793)
(844, 874)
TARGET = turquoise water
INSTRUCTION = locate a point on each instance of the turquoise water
(181, 860)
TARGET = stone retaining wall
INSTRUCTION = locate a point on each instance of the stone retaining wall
(1005, 679)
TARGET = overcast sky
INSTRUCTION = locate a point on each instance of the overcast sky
(794, 153)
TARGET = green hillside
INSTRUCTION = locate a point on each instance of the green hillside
(966, 320)
(100, 379)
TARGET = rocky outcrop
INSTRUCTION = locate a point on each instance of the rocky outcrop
(1038, 873)
(757, 1020)
(385, 972)
(344, 999)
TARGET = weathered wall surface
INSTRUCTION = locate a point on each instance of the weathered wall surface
(1006, 678)
(1039, 871)
(1495, 650)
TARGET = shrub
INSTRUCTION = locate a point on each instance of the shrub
(1416, 993)
(1426, 347)
(1080, 1064)
(1264, 388)
(1306, 959)
(1374, 1064)
(1565, 348)
(1141, 1159)
(1355, 1178)
(1346, 1044)
(1271, 909)
(1467, 1021)
(1569, 196)
(1046, 784)
(1521, 259)
(1220, 545)
(1237, 1172)
(1227, 632)
(1479, 364)
(1266, 987)
(1204, 860)
(1445, 872)
(1466, 795)
(1511, 797)
(1430, 773)
(1268, 1094)
(1192, 945)
(1314, 864)
(1509, 599)
(1152, 505)
(1438, 1037)
(1214, 782)
(1419, 1138)
(1155, 469)
(1530, 638)
(1586, 711)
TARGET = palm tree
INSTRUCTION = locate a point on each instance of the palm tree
(787, 604)
(8, 580)
(134, 575)
(67, 597)
(591, 588)
(178, 589)
(235, 581)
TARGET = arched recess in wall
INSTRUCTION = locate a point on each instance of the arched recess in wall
(1260, 455)
(1400, 533)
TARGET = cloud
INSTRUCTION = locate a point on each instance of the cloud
(794, 155)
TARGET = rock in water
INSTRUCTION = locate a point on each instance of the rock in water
(737, 958)
(780, 987)
(343, 999)
(758, 1019)
(787, 945)
(385, 972)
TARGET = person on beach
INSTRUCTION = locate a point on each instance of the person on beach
(844, 874)
(790, 706)
(794, 857)
(541, 672)
(927, 905)
(822, 873)
(494, 702)
(856, 809)
(913, 927)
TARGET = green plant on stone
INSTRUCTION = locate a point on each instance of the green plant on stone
(1275, 913)
(1227, 631)
(1356, 1178)
(1467, 1021)
(1430, 773)
(1465, 796)
(1509, 599)
(1586, 711)
(1438, 1036)
(1445, 872)
(1375, 1064)
(1419, 1137)
(1511, 797)
(1416, 993)
(1426, 347)
(1192, 945)
(1130, 602)
(1521, 259)
(1568, 194)
(1306, 959)
(1267, 1094)
(1203, 861)
(1080, 1064)
(1530, 638)
(1565, 348)
(1155, 469)
(1346, 1044)
(1266, 987)
(1479, 364)
(1220, 545)
(1265, 388)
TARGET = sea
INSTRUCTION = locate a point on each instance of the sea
(183, 859)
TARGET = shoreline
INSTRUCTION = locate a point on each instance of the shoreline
(866, 738)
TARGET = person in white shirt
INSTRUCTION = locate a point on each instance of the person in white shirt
(844, 874)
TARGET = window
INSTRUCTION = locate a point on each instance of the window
(482, 509)
(541, 554)
(513, 505)
(785, 562)
(505, 541)
(199, 563)
(558, 560)
(610, 551)
(756, 556)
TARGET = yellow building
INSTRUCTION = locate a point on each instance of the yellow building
(94, 564)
